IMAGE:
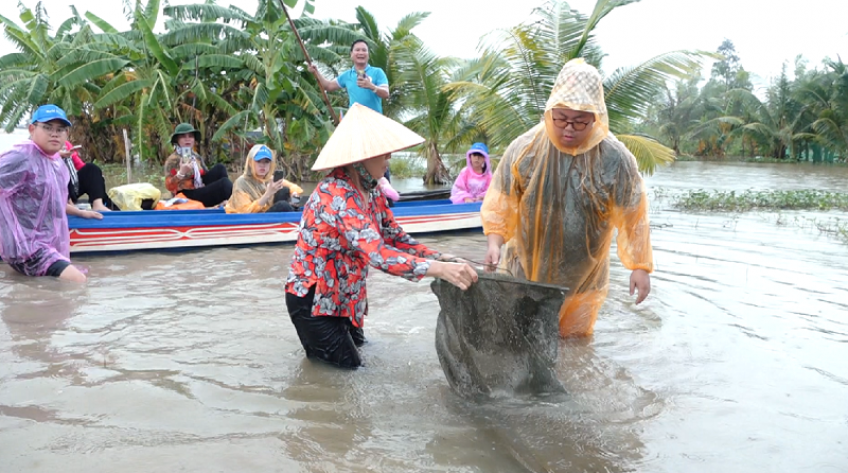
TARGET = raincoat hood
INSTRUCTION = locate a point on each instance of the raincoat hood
(251, 183)
(479, 148)
(558, 209)
(578, 87)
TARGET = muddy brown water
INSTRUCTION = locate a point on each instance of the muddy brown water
(165, 362)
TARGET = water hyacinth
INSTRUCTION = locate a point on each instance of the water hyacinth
(732, 201)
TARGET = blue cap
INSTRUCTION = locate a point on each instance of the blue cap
(263, 153)
(50, 112)
(479, 148)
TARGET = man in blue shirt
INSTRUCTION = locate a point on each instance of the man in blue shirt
(365, 84)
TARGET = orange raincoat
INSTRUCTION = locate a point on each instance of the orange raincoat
(556, 207)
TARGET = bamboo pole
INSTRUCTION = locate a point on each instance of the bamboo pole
(309, 61)
(129, 158)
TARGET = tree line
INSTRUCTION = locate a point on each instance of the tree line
(240, 78)
(802, 118)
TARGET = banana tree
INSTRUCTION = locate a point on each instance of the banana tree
(44, 70)
(142, 95)
(268, 80)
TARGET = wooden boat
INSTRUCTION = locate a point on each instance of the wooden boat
(146, 230)
(432, 194)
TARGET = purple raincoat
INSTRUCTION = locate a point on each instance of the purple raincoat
(33, 196)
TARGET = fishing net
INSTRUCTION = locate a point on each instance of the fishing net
(500, 337)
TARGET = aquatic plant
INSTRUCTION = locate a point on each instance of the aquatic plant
(732, 201)
(407, 167)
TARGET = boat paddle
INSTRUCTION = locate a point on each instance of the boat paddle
(309, 61)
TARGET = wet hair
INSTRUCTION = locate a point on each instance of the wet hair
(357, 42)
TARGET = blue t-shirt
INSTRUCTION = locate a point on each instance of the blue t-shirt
(357, 94)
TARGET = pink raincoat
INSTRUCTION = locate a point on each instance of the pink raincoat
(33, 198)
(387, 189)
(469, 184)
(75, 157)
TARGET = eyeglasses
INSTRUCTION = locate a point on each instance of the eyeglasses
(576, 126)
(53, 130)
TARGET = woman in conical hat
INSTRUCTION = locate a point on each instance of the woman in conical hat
(347, 226)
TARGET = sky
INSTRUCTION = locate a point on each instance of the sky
(766, 33)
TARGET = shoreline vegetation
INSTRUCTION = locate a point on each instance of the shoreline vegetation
(759, 200)
(753, 159)
(771, 202)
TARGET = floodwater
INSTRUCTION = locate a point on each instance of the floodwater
(165, 362)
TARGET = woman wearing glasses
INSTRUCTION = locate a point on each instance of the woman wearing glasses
(556, 197)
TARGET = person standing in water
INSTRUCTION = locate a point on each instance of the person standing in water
(34, 204)
(346, 227)
(558, 193)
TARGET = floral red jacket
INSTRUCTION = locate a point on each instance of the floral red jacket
(340, 236)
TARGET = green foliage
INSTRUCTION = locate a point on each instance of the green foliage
(804, 118)
(749, 200)
(240, 78)
(407, 167)
(507, 88)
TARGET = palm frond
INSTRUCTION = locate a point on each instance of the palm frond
(37, 89)
(14, 60)
(407, 24)
(156, 49)
(649, 152)
(84, 55)
(206, 11)
(233, 122)
(629, 91)
(200, 32)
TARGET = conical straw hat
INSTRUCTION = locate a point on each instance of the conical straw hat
(364, 134)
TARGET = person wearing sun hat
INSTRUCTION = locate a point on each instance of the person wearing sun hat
(255, 191)
(186, 171)
(347, 226)
(34, 205)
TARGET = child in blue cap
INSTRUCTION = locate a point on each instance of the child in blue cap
(35, 240)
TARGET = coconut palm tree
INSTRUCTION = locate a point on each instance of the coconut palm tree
(511, 82)
(827, 94)
(429, 108)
